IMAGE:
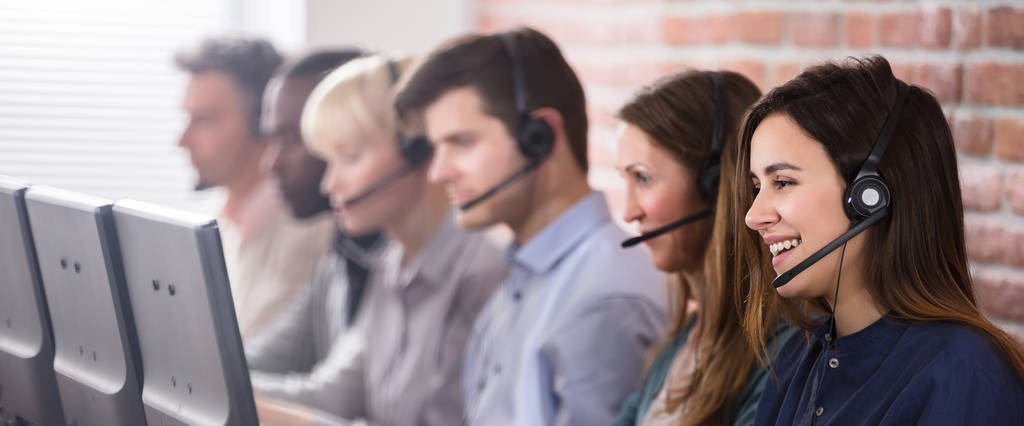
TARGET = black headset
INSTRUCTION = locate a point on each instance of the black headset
(533, 135)
(867, 199)
(707, 181)
(415, 150)
(868, 193)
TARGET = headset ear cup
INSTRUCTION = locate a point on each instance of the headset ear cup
(536, 139)
(708, 183)
(415, 151)
(865, 196)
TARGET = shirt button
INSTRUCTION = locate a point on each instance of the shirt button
(817, 413)
(828, 337)
(497, 369)
(516, 295)
(834, 362)
(480, 385)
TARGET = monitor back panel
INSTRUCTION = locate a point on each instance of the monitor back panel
(195, 370)
(96, 358)
(28, 386)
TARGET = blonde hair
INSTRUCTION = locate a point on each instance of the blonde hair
(354, 102)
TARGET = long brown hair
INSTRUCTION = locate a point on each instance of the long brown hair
(676, 112)
(918, 267)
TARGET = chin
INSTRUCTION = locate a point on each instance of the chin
(795, 289)
(357, 227)
(472, 219)
(666, 263)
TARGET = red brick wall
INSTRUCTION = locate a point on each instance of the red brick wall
(971, 56)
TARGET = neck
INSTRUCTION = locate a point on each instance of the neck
(551, 197)
(694, 280)
(419, 222)
(242, 186)
(856, 308)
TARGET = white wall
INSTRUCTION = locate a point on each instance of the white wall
(283, 22)
(410, 26)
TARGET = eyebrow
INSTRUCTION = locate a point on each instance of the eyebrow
(777, 167)
(632, 166)
(459, 134)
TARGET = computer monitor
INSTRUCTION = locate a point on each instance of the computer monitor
(195, 369)
(96, 358)
(28, 386)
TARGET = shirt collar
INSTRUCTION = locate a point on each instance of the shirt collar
(882, 333)
(561, 236)
(436, 259)
(360, 249)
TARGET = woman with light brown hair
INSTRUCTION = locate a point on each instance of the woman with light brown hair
(675, 138)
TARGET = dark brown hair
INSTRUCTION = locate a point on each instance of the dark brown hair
(481, 62)
(318, 63)
(918, 267)
(677, 113)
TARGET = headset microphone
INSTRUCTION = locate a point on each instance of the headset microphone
(866, 200)
(855, 229)
(707, 182)
(667, 228)
(412, 163)
(505, 182)
(415, 151)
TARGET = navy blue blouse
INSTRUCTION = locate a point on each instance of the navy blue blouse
(893, 372)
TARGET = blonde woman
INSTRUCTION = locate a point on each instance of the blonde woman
(433, 278)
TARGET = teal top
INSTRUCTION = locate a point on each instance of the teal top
(635, 408)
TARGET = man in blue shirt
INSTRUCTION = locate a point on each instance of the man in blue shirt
(566, 338)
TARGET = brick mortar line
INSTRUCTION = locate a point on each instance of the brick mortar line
(988, 111)
(601, 90)
(704, 8)
(1015, 328)
(1003, 217)
(785, 51)
(982, 268)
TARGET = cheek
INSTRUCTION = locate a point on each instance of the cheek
(668, 203)
(498, 158)
(660, 207)
(823, 215)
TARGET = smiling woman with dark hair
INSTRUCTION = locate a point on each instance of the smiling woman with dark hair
(854, 193)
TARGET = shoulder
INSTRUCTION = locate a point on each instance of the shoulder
(604, 269)
(480, 252)
(482, 270)
(967, 379)
(958, 345)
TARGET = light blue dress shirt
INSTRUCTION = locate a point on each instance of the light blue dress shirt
(564, 341)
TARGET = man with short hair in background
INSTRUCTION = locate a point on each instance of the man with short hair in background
(270, 255)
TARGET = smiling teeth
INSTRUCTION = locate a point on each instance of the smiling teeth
(782, 246)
